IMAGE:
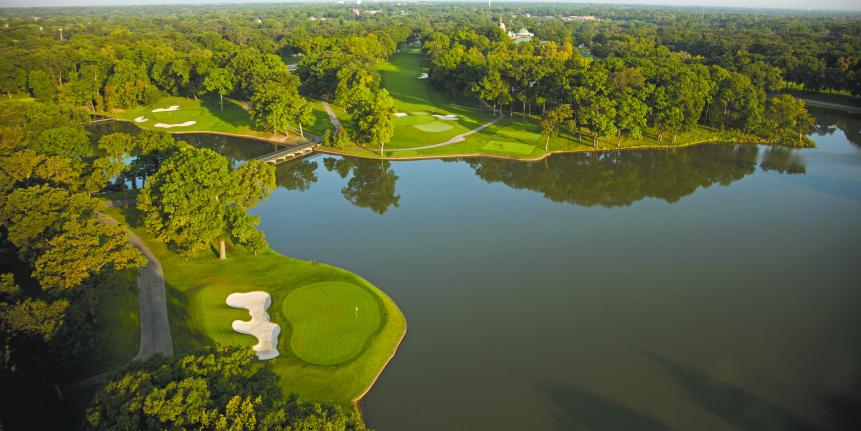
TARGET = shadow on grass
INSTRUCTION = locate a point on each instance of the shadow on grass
(577, 408)
(233, 114)
(734, 405)
(186, 335)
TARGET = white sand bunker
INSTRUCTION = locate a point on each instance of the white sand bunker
(400, 114)
(423, 76)
(168, 126)
(168, 109)
(446, 117)
(141, 119)
(259, 326)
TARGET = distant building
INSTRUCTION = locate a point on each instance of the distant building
(521, 36)
(580, 18)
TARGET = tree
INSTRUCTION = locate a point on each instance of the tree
(372, 118)
(220, 80)
(218, 389)
(113, 149)
(631, 116)
(492, 89)
(64, 141)
(84, 248)
(277, 105)
(188, 201)
(301, 113)
(23, 316)
(787, 116)
(41, 86)
(600, 114)
(33, 215)
(553, 122)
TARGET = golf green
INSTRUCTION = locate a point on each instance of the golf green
(433, 127)
(332, 321)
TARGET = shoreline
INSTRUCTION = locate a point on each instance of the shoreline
(283, 141)
(544, 156)
(358, 399)
(374, 156)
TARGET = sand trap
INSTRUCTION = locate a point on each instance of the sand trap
(168, 126)
(141, 120)
(259, 326)
(168, 109)
(423, 76)
(446, 117)
(400, 114)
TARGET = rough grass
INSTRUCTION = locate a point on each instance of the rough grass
(332, 321)
(197, 287)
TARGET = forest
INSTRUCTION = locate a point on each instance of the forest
(669, 70)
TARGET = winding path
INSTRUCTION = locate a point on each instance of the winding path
(155, 328)
(455, 139)
(332, 117)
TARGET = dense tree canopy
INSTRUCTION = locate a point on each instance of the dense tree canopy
(215, 389)
(195, 199)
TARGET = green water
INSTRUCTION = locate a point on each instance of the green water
(710, 288)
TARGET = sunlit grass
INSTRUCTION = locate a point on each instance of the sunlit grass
(197, 287)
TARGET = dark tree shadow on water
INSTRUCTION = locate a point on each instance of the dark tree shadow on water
(734, 405)
(578, 409)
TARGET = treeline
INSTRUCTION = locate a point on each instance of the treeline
(219, 389)
(62, 259)
(65, 260)
(620, 95)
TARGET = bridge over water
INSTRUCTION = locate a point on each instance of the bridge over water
(290, 153)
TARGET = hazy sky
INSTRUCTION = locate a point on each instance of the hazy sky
(854, 5)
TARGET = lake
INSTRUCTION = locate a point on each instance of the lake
(709, 288)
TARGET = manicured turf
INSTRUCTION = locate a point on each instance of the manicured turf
(508, 147)
(420, 100)
(434, 127)
(206, 112)
(207, 115)
(197, 287)
(332, 321)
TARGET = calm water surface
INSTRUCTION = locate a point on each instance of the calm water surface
(711, 288)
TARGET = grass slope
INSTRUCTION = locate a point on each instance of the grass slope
(198, 285)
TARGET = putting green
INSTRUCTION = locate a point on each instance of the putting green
(434, 127)
(507, 147)
(332, 321)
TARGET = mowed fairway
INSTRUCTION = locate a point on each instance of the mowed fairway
(332, 321)
(206, 113)
(197, 287)
(416, 98)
